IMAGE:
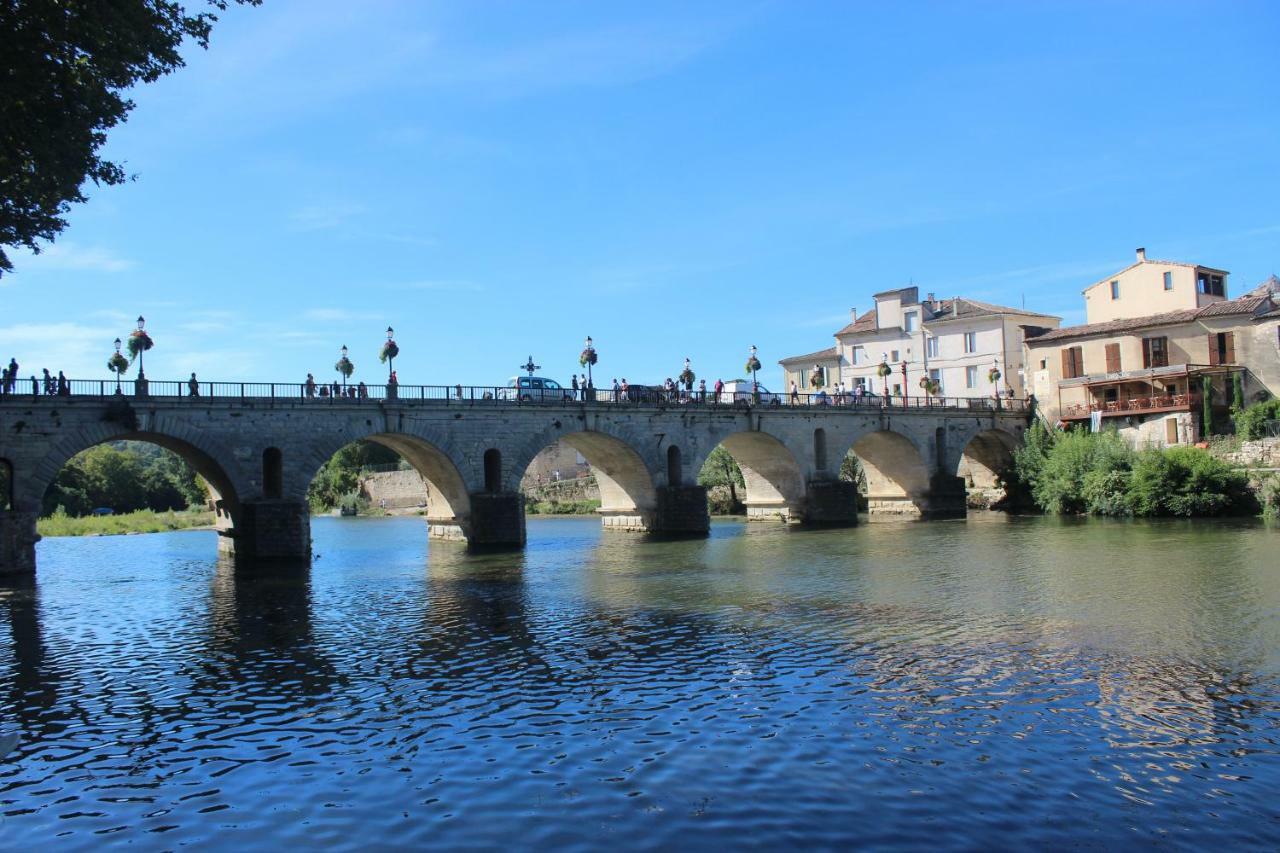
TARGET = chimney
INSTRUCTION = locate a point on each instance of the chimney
(930, 299)
(1142, 256)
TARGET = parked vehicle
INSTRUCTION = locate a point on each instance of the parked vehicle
(739, 390)
(535, 389)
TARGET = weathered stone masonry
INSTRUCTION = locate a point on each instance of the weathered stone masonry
(259, 456)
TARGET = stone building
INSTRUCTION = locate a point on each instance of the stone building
(1146, 374)
(953, 341)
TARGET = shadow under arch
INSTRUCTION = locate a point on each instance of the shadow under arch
(774, 480)
(628, 494)
(986, 462)
(448, 501)
(897, 476)
(223, 493)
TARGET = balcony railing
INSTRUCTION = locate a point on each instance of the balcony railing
(1134, 406)
(361, 394)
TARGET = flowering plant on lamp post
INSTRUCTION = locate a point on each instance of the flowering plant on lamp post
(139, 342)
(344, 366)
(883, 370)
(687, 376)
(818, 378)
(389, 351)
(588, 359)
(117, 364)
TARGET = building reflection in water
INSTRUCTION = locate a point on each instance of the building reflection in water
(30, 683)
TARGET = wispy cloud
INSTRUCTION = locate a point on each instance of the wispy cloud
(338, 315)
(69, 256)
(440, 285)
(324, 216)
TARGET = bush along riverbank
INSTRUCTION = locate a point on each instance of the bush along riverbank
(1079, 472)
(142, 521)
(587, 507)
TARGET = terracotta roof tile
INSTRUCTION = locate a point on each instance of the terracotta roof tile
(1242, 305)
(865, 323)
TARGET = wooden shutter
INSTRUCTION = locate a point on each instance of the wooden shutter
(1113, 358)
(1231, 347)
(1213, 349)
(1146, 352)
(1067, 372)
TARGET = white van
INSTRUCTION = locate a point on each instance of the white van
(739, 390)
(535, 389)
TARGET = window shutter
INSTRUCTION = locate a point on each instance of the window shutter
(1067, 372)
(1146, 352)
(1213, 349)
(1113, 358)
(1231, 347)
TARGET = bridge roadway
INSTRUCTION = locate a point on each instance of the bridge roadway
(259, 447)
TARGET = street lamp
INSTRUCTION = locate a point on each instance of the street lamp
(117, 361)
(391, 350)
(142, 329)
(590, 353)
(884, 361)
(344, 367)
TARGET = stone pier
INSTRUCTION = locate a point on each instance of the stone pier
(497, 520)
(18, 539)
(270, 531)
(831, 503)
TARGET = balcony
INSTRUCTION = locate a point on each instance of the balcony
(1138, 405)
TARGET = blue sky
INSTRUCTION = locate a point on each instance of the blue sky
(676, 179)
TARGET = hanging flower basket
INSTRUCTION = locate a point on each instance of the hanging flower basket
(753, 364)
(117, 363)
(687, 376)
(993, 375)
(930, 385)
(345, 367)
(588, 357)
(884, 369)
(139, 342)
(818, 379)
(389, 350)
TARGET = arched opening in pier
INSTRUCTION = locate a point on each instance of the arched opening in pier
(590, 472)
(895, 474)
(6, 485)
(272, 473)
(754, 473)
(137, 473)
(987, 468)
(393, 474)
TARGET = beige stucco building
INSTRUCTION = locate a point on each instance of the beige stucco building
(955, 341)
(1148, 287)
(1146, 374)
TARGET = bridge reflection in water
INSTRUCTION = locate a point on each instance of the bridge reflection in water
(258, 446)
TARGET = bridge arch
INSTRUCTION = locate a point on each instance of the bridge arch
(986, 460)
(449, 499)
(898, 477)
(214, 463)
(772, 474)
(626, 479)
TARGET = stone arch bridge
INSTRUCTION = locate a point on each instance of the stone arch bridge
(259, 455)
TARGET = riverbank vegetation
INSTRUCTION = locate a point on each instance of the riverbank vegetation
(1078, 472)
(141, 521)
(337, 484)
(584, 507)
(124, 476)
(1253, 422)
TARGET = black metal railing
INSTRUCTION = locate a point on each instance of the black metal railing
(358, 393)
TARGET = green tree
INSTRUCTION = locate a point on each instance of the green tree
(1252, 422)
(1186, 481)
(340, 475)
(64, 69)
(721, 469)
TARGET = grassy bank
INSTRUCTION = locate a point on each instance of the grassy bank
(142, 521)
(561, 507)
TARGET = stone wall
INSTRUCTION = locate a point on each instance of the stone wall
(395, 489)
(1262, 453)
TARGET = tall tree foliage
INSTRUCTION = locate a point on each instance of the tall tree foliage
(64, 68)
(124, 476)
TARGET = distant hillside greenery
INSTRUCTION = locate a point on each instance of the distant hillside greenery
(124, 476)
(1077, 472)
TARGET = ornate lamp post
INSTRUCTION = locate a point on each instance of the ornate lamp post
(753, 364)
(141, 333)
(389, 352)
(884, 370)
(586, 359)
(118, 364)
(344, 367)
(905, 392)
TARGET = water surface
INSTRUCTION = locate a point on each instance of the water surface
(992, 682)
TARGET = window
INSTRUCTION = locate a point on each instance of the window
(1168, 281)
(1222, 348)
(893, 356)
(970, 341)
(1044, 364)
(1113, 358)
(493, 470)
(859, 355)
(1170, 428)
(1072, 362)
(931, 347)
(936, 375)
(1210, 284)
(909, 321)
(897, 390)
(1115, 290)
(971, 376)
(860, 381)
(1155, 352)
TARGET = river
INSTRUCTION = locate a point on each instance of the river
(996, 682)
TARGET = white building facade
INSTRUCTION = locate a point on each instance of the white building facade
(956, 342)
